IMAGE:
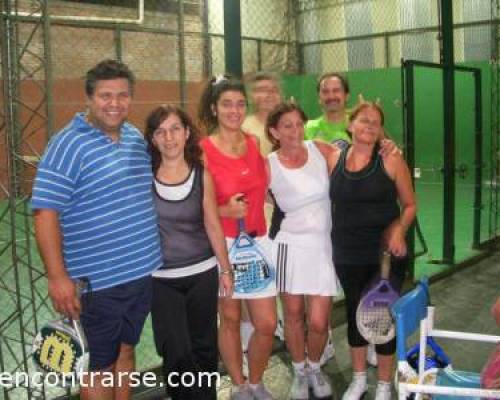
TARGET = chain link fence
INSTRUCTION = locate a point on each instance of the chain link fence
(366, 34)
(173, 48)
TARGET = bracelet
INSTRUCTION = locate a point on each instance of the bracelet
(227, 271)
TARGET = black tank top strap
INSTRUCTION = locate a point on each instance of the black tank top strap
(199, 177)
(340, 167)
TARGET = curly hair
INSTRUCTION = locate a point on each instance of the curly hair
(192, 150)
(211, 94)
(274, 118)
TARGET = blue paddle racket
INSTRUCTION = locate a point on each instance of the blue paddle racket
(373, 315)
(252, 272)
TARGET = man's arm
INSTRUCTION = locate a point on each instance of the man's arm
(62, 290)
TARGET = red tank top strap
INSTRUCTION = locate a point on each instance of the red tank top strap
(247, 175)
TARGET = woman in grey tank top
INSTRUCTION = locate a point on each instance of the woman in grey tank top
(185, 288)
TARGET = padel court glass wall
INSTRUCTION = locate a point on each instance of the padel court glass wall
(174, 45)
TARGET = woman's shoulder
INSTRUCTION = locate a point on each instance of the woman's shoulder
(392, 163)
(252, 137)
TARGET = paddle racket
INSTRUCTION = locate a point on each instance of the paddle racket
(373, 315)
(60, 347)
(252, 272)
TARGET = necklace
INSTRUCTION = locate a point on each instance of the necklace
(234, 147)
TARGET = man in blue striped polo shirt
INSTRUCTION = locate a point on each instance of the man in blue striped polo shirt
(94, 218)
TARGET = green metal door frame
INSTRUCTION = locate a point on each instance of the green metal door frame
(408, 95)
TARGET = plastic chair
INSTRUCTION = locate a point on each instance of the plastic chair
(412, 312)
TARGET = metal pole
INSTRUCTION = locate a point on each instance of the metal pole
(11, 74)
(478, 160)
(118, 43)
(259, 55)
(408, 96)
(387, 48)
(207, 42)
(182, 55)
(449, 132)
(232, 38)
(49, 106)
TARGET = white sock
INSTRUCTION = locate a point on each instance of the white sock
(246, 330)
(299, 368)
(384, 383)
(313, 366)
(240, 388)
(359, 376)
(254, 386)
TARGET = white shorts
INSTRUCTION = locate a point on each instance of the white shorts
(270, 291)
(304, 270)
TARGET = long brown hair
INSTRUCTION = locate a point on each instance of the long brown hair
(192, 150)
(274, 118)
(211, 94)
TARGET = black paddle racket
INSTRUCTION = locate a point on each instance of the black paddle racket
(60, 347)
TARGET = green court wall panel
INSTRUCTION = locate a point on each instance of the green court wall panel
(385, 85)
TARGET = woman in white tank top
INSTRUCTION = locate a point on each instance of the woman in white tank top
(302, 248)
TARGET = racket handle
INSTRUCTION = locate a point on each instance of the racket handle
(385, 265)
(241, 224)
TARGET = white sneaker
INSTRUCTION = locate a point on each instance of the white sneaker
(329, 350)
(371, 355)
(261, 393)
(300, 387)
(357, 388)
(319, 384)
(383, 391)
(241, 392)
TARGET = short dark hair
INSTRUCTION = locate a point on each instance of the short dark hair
(274, 118)
(262, 76)
(192, 150)
(343, 80)
(211, 94)
(107, 70)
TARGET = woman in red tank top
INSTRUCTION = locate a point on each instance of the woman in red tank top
(240, 179)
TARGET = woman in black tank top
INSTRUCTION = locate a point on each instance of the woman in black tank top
(186, 287)
(373, 205)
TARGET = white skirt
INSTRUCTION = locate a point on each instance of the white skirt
(270, 291)
(304, 270)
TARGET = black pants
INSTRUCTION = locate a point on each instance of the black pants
(184, 315)
(354, 279)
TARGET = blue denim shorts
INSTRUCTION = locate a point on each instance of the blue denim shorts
(114, 316)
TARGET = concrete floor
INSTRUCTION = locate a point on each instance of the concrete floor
(463, 303)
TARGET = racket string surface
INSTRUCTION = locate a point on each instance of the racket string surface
(373, 317)
(251, 270)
